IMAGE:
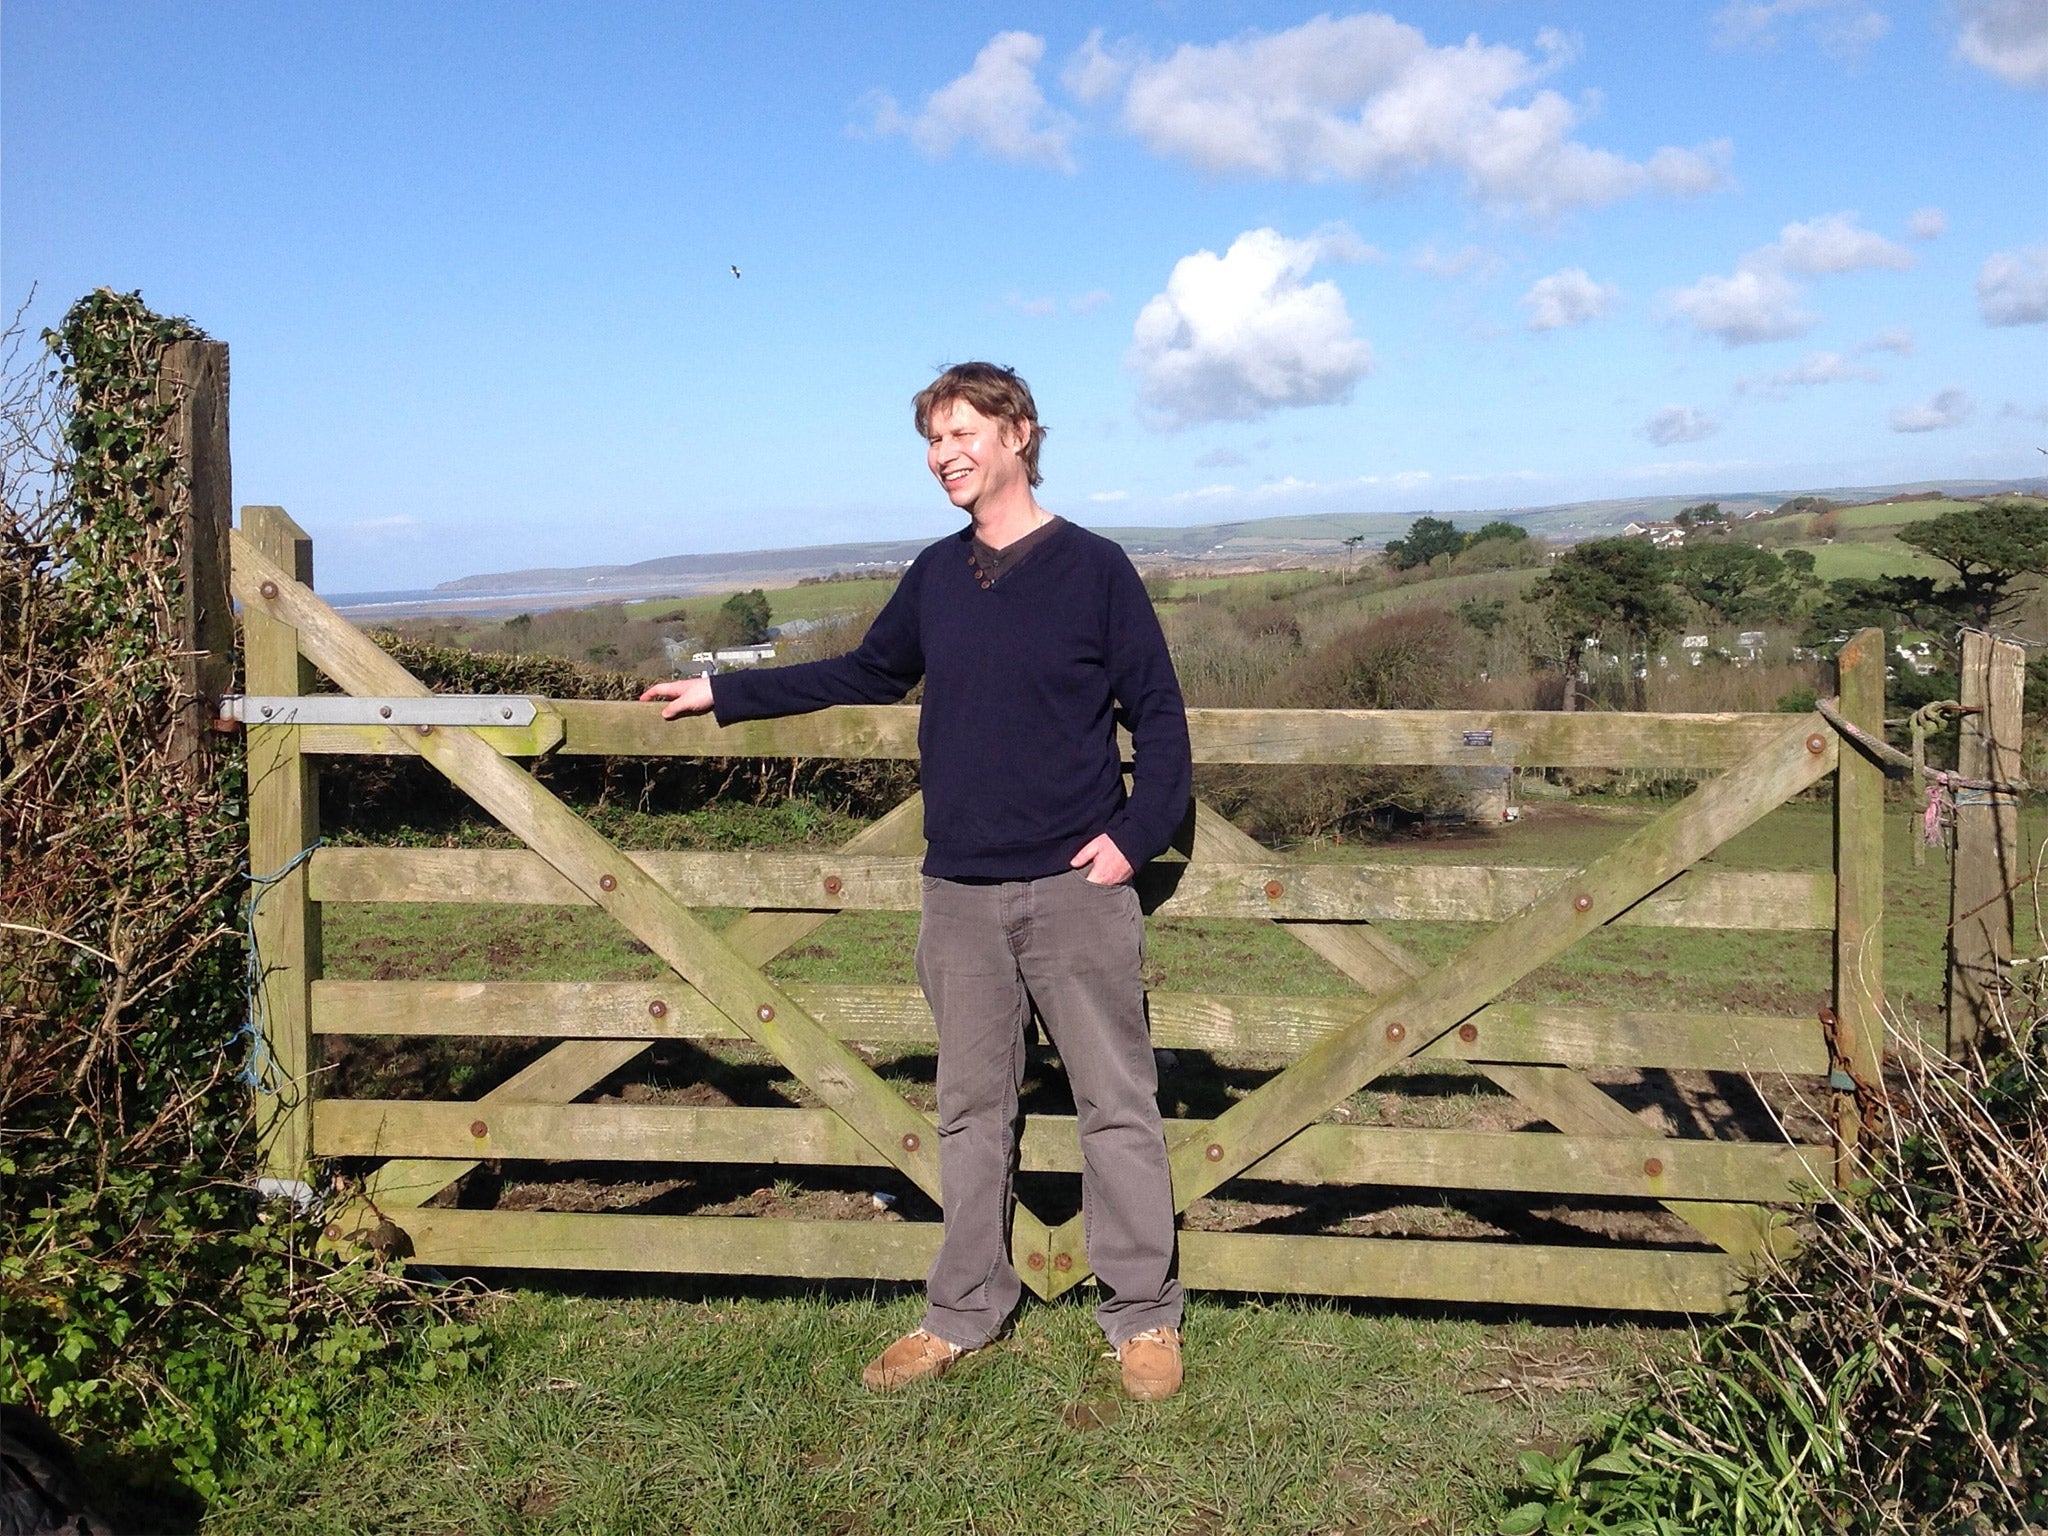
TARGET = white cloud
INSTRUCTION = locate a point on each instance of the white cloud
(1679, 424)
(997, 104)
(1927, 224)
(1093, 74)
(1834, 243)
(1813, 369)
(1759, 302)
(1365, 98)
(1893, 338)
(1569, 297)
(1087, 303)
(2007, 38)
(1950, 408)
(1238, 335)
(2012, 287)
(1748, 307)
(1473, 261)
(2012, 410)
(1109, 495)
(1843, 28)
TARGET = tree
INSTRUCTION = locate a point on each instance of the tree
(1605, 585)
(1738, 581)
(1701, 513)
(1989, 548)
(1485, 617)
(1351, 553)
(1498, 529)
(1427, 538)
(741, 619)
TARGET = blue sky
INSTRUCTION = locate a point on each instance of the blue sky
(472, 260)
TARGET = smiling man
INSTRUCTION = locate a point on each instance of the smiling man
(1034, 639)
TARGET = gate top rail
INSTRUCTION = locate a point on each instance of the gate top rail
(1355, 737)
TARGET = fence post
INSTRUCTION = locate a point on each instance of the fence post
(1989, 863)
(1857, 1040)
(194, 377)
(284, 820)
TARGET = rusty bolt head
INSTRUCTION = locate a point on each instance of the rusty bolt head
(384, 711)
(424, 730)
(1275, 890)
(1653, 1166)
(1037, 1260)
(910, 1141)
(1816, 743)
(1213, 1152)
(657, 1009)
(268, 589)
(607, 882)
(834, 885)
(1583, 902)
(1063, 1262)
(1468, 1033)
(505, 712)
(1826, 1016)
(479, 1128)
(332, 1233)
(1397, 1032)
(765, 1014)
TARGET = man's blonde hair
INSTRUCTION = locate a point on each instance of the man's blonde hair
(993, 390)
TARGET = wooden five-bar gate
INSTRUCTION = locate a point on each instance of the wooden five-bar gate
(1735, 1195)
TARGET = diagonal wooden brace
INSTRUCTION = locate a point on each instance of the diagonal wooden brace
(840, 1079)
(1417, 1013)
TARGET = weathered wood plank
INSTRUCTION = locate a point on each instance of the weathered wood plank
(1526, 738)
(1271, 889)
(1991, 863)
(1502, 1274)
(1277, 1026)
(543, 735)
(193, 381)
(1505, 1274)
(702, 1245)
(1859, 897)
(1323, 1154)
(284, 822)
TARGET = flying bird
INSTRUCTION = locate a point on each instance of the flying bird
(735, 271)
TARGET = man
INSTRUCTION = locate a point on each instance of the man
(1034, 639)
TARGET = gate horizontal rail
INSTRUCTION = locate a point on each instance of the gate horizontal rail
(1732, 1198)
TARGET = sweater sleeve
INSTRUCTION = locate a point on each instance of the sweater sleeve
(1149, 704)
(880, 670)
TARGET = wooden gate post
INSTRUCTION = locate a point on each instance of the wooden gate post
(194, 378)
(284, 821)
(1989, 863)
(1856, 1042)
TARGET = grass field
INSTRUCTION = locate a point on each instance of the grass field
(1873, 557)
(622, 1405)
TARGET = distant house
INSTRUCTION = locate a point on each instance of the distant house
(1663, 535)
(737, 656)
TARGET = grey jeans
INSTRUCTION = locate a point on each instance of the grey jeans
(985, 954)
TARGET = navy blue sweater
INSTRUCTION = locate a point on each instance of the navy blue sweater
(1026, 682)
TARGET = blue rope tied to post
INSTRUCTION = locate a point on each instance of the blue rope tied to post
(259, 1070)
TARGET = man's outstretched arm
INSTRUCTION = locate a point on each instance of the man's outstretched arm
(880, 670)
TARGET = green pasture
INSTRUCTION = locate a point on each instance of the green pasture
(813, 600)
(1868, 558)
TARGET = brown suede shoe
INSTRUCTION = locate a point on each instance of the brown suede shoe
(917, 1356)
(1151, 1362)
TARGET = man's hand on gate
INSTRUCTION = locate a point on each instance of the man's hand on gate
(690, 696)
(1108, 866)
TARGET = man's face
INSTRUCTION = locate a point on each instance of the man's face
(973, 456)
